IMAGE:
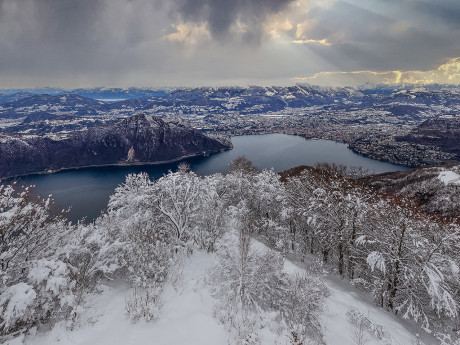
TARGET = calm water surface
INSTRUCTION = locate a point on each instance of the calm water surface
(86, 191)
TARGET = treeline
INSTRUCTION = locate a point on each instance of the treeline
(406, 260)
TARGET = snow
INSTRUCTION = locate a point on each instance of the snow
(376, 260)
(20, 297)
(449, 177)
(338, 329)
(344, 298)
(187, 316)
(274, 115)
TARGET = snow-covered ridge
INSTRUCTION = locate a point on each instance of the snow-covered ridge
(436, 189)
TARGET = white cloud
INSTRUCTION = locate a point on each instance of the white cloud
(446, 73)
(190, 34)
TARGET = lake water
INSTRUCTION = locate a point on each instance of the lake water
(86, 191)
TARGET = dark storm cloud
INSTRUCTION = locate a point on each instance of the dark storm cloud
(364, 39)
(66, 18)
(60, 20)
(108, 42)
(222, 14)
(446, 12)
(54, 19)
(127, 42)
(71, 37)
(46, 28)
(66, 36)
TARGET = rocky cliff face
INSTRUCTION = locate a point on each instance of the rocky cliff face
(137, 139)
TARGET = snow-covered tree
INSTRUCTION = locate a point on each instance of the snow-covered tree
(139, 246)
(27, 228)
(413, 275)
(35, 283)
(328, 211)
(301, 307)
(177, 198)
(211, 217)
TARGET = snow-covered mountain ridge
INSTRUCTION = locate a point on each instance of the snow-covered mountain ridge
(137, 139)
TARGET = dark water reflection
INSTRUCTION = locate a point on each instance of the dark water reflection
(87, 190)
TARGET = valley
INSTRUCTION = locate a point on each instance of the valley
(375, 123)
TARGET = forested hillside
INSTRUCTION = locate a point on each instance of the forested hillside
(404, 259)
(137, 139)
(435, 189)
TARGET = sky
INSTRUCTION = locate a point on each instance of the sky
(157, 43)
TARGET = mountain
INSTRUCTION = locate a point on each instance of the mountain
(135, 140)
(442, 132)
(120, 93)
(4, 98)
(409, 106)
(257, 99)
(436, 188)
(423, 97)
(68, 104)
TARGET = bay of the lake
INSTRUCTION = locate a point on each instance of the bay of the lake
(86, 191)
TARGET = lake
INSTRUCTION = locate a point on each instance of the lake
(86, 191)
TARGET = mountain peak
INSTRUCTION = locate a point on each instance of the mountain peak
(139, 139)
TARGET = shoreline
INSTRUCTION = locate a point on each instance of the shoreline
(119, 164)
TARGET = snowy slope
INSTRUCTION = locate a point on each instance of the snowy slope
(449, 176)
(187, 316)
(344, 298)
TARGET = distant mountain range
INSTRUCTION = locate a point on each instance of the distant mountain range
(142, 92)
(96, 93)
(381, 122)
(204, 100)
(138, 139)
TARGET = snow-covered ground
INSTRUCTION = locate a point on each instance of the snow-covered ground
(187, 316)
(344, 298)
(449, 177)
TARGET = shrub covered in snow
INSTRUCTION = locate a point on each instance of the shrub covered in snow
(249, 282)
(137, 247)
(301, 306)
(145, 303)
(36, 282)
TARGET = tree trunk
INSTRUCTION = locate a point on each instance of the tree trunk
(325, 255)
(341, 260)
(293, 231)
(351, 262)
(395, 281)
